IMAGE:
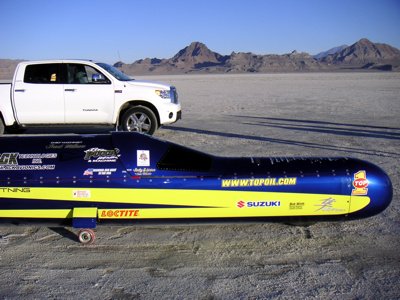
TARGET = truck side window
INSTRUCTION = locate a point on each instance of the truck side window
(83, 74)
(45, 73)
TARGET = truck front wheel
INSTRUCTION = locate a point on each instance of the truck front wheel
(139, 118)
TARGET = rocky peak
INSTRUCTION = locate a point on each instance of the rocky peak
(195, 53)
(364, 51)
(118, 64)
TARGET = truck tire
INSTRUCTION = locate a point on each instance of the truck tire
(140, 119)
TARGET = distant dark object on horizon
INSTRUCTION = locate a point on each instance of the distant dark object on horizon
(333, 50)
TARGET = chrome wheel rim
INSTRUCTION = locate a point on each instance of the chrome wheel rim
(138, 122)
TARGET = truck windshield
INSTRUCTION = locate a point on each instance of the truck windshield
(114, 72)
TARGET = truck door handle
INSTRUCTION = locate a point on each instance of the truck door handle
(21, 91)
(70, 90)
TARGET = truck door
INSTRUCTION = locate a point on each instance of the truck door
(39, 96)
(89, 96)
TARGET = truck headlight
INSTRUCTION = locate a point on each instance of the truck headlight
(164, 94)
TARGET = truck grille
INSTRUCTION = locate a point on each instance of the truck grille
(174, 95)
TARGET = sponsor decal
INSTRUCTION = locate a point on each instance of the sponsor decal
(144, 171)
(15, 190)
(81, 193)
(37, 157)
(92, 171)
(327, 205)
(74, 146)
(258, 182)
(241, 204)
(88, 172)
(296, 205)
(101, 155)
(143, 158)
(54, 146)
(66, 145)
(360, 183)
(9, 161)
(252, 204)
(119, 213)
(28, 168)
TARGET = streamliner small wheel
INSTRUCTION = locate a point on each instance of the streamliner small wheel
(86, 236)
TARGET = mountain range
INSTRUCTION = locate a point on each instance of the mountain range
(197, 58)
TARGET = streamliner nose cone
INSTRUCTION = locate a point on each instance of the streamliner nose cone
(370, 181)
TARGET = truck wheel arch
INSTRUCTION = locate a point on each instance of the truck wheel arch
(139, 116)
(129, 105)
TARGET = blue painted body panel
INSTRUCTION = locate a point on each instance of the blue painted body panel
(122, 160)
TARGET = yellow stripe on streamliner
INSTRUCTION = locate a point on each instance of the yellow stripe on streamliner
(212, 203)
(305, 205)
(36, 213)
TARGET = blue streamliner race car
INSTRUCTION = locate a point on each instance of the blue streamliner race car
(83, 180)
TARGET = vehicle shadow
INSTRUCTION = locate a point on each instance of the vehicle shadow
(324, 127)
(57, 129)
(64, 232)
(327, 129)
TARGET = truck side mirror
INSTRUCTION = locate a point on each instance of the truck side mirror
(98, 78)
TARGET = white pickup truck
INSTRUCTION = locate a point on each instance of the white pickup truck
(76, 92)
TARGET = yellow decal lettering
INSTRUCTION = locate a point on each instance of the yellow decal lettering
(258, 182)
(235, 182)
(244, 182)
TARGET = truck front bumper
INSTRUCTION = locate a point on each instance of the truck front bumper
(171, 115)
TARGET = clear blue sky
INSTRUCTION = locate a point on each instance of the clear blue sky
(106, 29)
